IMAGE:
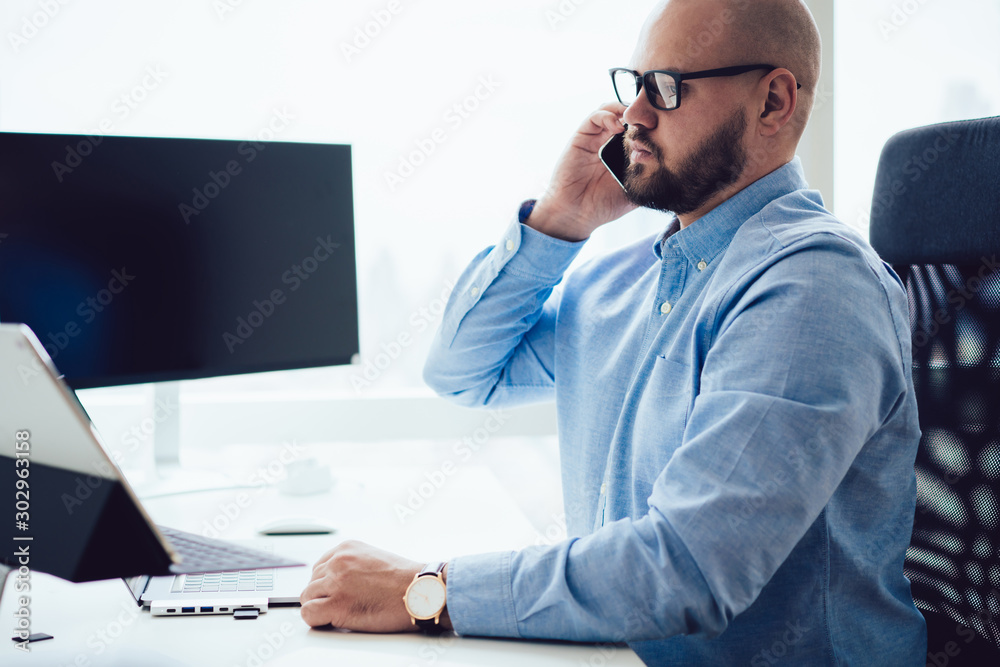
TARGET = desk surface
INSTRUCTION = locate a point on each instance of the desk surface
(98, 623)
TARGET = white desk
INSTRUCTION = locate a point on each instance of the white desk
(98, 623)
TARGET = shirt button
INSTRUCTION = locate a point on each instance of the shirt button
(604, 488)
(474, 291)
(510, 245)
(702, 265)
(666, 308)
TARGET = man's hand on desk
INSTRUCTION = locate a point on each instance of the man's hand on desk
(358, 587)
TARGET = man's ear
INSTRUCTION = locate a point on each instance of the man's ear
(780, 102)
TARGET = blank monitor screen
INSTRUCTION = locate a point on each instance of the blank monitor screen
(150, 259)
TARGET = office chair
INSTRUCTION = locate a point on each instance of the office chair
(936, 220)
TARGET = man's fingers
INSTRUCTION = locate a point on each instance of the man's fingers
(318, 612)
(325, 559)
(314, 590)
(611, 123)
(320, 567)
(598, 128)
(608, 118)
(603, 122)
(616, 108)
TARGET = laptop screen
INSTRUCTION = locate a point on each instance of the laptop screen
(136, 585)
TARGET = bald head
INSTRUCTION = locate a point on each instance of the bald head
(720, 33)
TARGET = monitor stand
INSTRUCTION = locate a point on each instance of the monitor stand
(170, 477)
(5, 571)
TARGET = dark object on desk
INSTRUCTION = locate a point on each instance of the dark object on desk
(246, 614)
(34, 637)
(936, 220)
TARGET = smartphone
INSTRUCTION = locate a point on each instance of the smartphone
(613, 157)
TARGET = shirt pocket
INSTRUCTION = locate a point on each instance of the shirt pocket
(668, 378)
(662, 412)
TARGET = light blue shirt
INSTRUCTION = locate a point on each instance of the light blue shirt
(737, 427)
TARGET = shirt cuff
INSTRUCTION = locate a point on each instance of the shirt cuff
(480, 600)
(532, 254)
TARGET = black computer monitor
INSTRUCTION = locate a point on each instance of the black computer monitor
(139, 259)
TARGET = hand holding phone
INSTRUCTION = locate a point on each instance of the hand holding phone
(581, 197)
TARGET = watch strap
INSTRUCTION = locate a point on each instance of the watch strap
(524, 212)
(431, 568)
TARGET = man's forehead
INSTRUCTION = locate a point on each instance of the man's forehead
(684, 36)
(663, 55)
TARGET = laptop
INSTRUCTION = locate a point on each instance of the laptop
(242, 593)
(83, 522)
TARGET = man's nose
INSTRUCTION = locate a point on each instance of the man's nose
(641, 112)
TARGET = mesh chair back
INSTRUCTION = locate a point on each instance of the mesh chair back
(953, 562)
(936, 219)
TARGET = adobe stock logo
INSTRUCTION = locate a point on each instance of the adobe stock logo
(217, 181)
(124, 106)
(455, 117)
(32, 25)
(463, 450)
(914, 169)
(902, 13)
(420, 320)
(562, 12)
(224, 7)
(779, 649)
(381, 18)
(88, 311)
(294, 277)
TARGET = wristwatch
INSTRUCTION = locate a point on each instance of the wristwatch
(426, 596)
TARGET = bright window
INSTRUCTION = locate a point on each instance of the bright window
(902, 64)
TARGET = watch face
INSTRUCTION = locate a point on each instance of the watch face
(426, 597)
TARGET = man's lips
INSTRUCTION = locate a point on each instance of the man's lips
(639, 151)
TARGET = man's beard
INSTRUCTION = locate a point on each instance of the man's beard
(717, 163)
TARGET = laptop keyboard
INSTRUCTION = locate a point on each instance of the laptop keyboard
(233, 581)
(203, 554)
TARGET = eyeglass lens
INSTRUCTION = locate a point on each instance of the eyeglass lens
(663, 88)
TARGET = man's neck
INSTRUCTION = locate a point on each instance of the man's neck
(724, 195)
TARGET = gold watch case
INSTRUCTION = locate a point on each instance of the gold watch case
(429, 596)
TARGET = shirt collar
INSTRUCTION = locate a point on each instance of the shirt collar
(705, 238)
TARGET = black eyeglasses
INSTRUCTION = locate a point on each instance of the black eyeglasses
(663, 88)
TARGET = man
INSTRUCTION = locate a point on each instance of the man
(736, 416)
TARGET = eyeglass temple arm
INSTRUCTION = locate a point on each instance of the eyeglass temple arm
(725, 71)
